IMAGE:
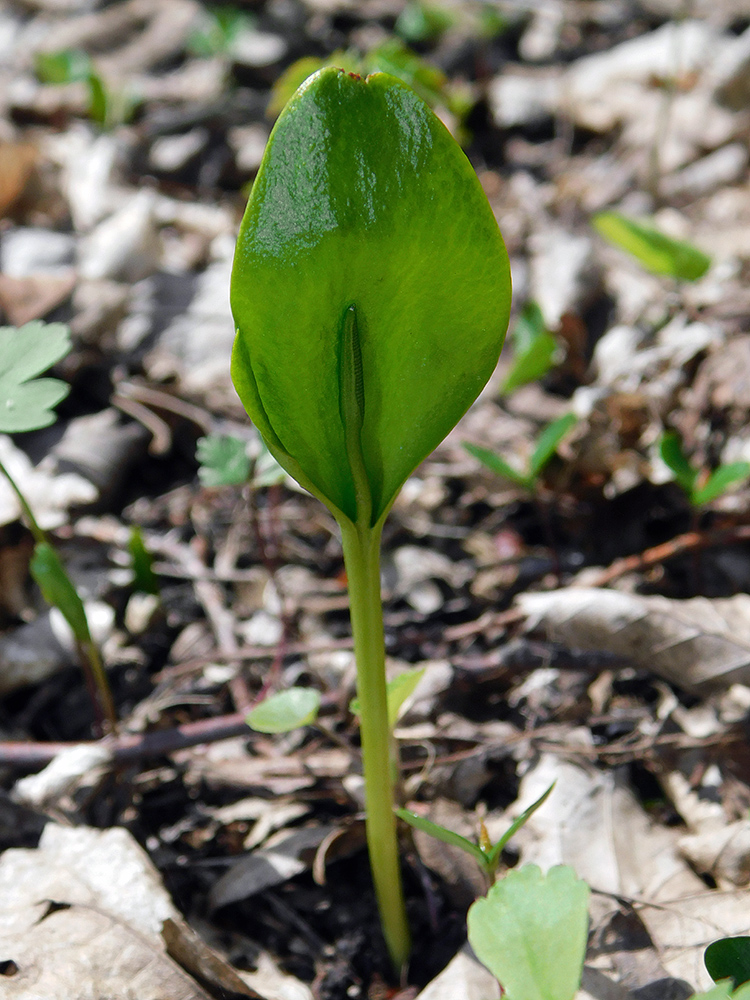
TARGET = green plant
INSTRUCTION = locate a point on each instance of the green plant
(530, 930)
(724, 991)
(485, 853)
(534, 349)
(26, 404)
(392, 57)
(224, 461)
(219, 31)
(729, 958)
(656, 251)
(144, 578)
(700, 485)
(367, 325)
(106, 107)
(544, 448)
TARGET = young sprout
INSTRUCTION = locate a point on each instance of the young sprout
(367, 323)
(534, 349)
(656, 251)
(545, 447)
(701, 486)
(27, 404)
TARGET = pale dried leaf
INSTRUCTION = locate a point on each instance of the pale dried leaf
(697, 644)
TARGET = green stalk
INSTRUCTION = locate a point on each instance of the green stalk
(362, 561)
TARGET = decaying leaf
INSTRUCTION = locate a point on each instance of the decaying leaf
(697, 644)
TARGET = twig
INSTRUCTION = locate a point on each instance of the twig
(131, 746)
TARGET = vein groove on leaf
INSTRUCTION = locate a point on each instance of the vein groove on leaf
(364, 199)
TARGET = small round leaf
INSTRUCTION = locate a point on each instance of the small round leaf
(285, 710)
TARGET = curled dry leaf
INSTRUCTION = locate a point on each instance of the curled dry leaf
(697, 644)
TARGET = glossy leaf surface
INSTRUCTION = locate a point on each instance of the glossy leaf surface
(370, 290)
(729, 958)
(531, 930)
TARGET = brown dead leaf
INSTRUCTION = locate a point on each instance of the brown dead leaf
(77, 951)
(194, 955)
(24, 299)
(697, 644)
(18, 162)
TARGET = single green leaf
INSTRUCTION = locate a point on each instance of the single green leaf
(285, 710)
(66, 66)
(398, 690)
(58, 590)
(493, 856)
(719, 482)
(223, 460)
(25, 352)
(658, 252)
(534, 348)
(423, 22)
(547, 442)
(499, 466)
(443, 834)
(729, 958)
(671, 451)
(723, 991)
(364, 203)
(531, 930)
(144, 578)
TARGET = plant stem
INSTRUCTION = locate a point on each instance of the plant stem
(362, 561)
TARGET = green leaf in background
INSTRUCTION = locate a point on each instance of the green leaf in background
(144, 578)
(719, 482)
(493, 857)
(656, 251)
(443, 834)
(499, 466)
(398, 689)
(57, 589)
(531, 931)
(223, 460)
(723, 991)
(367, 321)
(423, 22)
(547, 442)
(66, 66)
(266, 470)
(673, 455)
(286, 710)
(729, 958)
(26, 401)
(219, 30)
(534, 348)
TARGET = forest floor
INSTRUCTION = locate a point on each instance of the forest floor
(592, 630)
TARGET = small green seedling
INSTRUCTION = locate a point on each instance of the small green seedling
(545, 447)
(26, 404)
(531, 931)
(285, 710)
(392, 57)
(485, 853)
(424, 22)
(398, 689)
(534, 349)
(107, 107)
(701, 487)
(367, 325)
(729, 958)
(219, 32)
(656, 251)
(144, 578)
(224, 461)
